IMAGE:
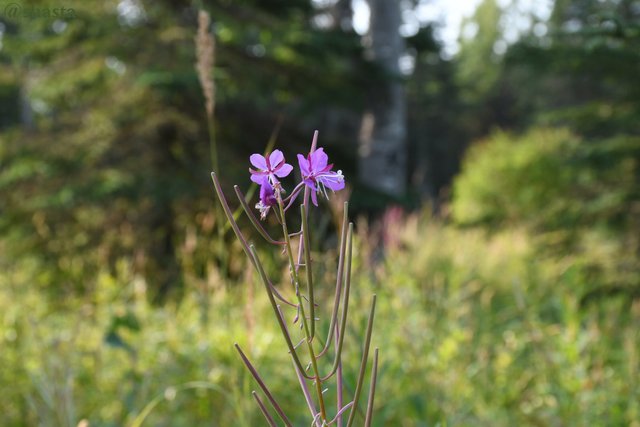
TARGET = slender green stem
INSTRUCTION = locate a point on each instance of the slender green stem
(264, 410)
(263, 386)
(339, 279)
(372, 390)
(229, 214)
(296, 280)
(238, 233)
(345, 307)
(339, 388)
(253, 219)
(341, 410)
(363, 363)
(274, 305)
(307, 266)
(303, 385)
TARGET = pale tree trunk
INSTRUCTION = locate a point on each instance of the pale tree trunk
(383, 151)
(342, 15)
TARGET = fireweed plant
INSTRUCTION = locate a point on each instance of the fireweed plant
(317, 176)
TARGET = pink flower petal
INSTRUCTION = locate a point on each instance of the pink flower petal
(267, 194)
(258, 161)
(309, 183)
(319, 160)
(284, 170)
(334, 185)
(304, 165)
(276, 158)
(257, 177)
(332, 180)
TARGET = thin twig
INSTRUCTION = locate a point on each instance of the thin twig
(274, 305)
(372, 390)
(339, 279)
(339, 386)
(227, 211)
(307, 267)
(253, 218)
(264, 410)
(279, 296)
(363, 364)
(301, 380)
(296, 280)
(345, 306)
(338, 417)
(263, 386)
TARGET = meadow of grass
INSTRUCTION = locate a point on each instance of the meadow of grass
(475, 328)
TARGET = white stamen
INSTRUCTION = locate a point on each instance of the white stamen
(264, 209)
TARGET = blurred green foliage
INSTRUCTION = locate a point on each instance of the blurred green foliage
(474, 329)
(580, 197)
(521, 310)
(552, 180)
(109, 156)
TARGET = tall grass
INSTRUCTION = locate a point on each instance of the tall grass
(477, 330)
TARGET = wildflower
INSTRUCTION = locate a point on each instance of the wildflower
(267, 197)
(271, 167)
(317, 174)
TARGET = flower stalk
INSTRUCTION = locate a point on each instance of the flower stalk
(317, 176)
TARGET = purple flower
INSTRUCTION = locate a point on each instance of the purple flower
(317, 174)
(271, 167)
(267, 197)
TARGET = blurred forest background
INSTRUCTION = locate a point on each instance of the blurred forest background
(494, 176)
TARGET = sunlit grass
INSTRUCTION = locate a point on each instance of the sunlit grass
(476, 328)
